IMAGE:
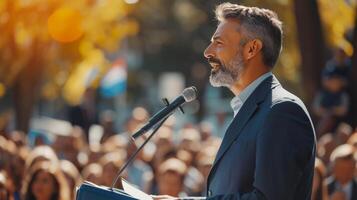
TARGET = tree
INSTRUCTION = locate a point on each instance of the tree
(312, 45)
(353, 78)
(47, 48)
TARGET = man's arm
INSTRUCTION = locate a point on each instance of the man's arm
(284, 147)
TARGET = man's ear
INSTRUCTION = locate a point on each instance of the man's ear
(252, 48)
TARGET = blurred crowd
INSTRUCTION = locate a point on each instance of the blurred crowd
(335, 167)
(177, 160)
(174, 163)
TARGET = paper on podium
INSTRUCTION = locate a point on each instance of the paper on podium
(134, 192)
(138, 194)
(91, 191)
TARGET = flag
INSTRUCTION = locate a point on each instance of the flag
(114, 82)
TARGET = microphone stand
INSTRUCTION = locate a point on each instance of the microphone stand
(141, 146)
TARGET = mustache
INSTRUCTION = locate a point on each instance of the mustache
(222, 68)
(214, 60)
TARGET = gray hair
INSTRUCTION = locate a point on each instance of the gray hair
(256, 23)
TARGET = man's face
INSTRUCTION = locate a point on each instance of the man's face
(333, 84)
(344, 170)
(225, 54)
(170, 183)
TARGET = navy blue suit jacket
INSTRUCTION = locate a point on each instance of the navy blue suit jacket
(268, 150)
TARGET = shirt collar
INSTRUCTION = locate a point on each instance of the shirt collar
(238, 101)
(347, 189)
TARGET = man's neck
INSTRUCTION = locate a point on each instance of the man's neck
(344, 183)
(246, 78)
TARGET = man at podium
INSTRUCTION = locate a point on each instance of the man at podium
(268, 150)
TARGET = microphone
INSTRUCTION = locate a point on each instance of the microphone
(189, 94)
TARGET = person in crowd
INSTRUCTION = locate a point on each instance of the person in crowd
(138, 117)
(106, 120)
(204, 165)
(93, 173)
(41, 153)
(95, 153)
(85, 114)
(5, 192)
(12, 161)
(352, 140)
(339, 64)
(19, 138)
(206, 131)
(171, 176)
(343, 132)
(111, 164)
(67, 147)
(194, 180)
(325, 145)
(45, 181)
(220, 121)
(118, 141)
(139, 172)
(341, 182)
(17, 170)
(331, 103)
(72, 175)
(189, 140)
(164, 142)
(319, 187)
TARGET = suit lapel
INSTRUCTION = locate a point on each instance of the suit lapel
(240, 120)
(234, 129)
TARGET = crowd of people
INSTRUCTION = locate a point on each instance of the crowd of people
(177, 160)
(335, 166)
(172, 163)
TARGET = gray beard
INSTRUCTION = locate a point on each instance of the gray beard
(221, 79)
(226, 77)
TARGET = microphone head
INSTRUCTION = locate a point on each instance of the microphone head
(189, 94)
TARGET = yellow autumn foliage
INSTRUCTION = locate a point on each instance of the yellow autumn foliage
(337, 17)
(73, 38)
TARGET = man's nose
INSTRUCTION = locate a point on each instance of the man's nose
(208, 53)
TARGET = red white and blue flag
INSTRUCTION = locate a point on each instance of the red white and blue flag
(114, 82)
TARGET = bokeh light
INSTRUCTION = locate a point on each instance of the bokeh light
(131, 1)
(64, 25)
(2, 90)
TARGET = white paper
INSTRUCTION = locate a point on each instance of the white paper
(134, 192)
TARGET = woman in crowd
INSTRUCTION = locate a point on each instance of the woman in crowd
(45, 181)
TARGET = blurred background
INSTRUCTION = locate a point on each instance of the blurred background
(77, 78)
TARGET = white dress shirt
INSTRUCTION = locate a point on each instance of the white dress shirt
(238, 101)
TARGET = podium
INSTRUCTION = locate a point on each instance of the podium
(91, 191)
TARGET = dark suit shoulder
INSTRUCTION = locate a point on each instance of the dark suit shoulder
(283, 100)
(279, 94)
(289, 123)
(287, 108)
